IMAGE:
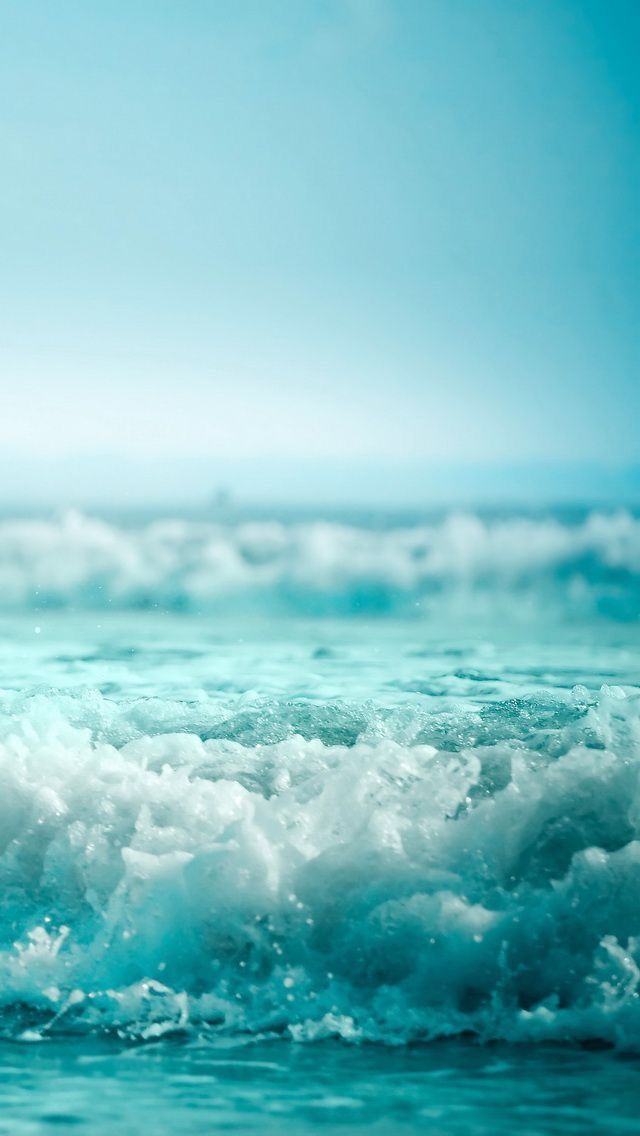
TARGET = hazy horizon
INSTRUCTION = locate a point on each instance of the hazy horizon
(200, 482)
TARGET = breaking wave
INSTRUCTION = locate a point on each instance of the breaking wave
(75, 561)
(431, 874)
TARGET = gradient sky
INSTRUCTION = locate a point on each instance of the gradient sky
(318, 231)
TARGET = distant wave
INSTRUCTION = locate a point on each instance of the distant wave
(340, 569)
(156, 881)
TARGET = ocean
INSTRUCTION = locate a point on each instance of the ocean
(320, 822)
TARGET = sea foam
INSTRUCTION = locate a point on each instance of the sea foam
(76, 561)
(395, 888)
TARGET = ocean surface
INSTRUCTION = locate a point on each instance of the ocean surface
(320, 823)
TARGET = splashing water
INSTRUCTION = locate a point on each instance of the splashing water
(256, 828)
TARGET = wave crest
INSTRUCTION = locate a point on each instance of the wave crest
(385, 890)
(323, 567)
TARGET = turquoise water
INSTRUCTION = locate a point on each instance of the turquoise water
(193, 1087)
(316, 824)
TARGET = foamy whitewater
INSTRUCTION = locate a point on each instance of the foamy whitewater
(270, 785)
(591, 565)
(420, 879)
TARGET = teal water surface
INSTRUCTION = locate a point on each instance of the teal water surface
(307, 827)
(446, 1088)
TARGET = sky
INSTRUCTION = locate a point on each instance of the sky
(317, 247)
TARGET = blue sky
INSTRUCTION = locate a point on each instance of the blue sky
(304, 236)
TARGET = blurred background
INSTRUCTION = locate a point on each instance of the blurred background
(333, 305)
(341, 253)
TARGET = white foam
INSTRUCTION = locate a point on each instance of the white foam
(87, 562)
(381, 890)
